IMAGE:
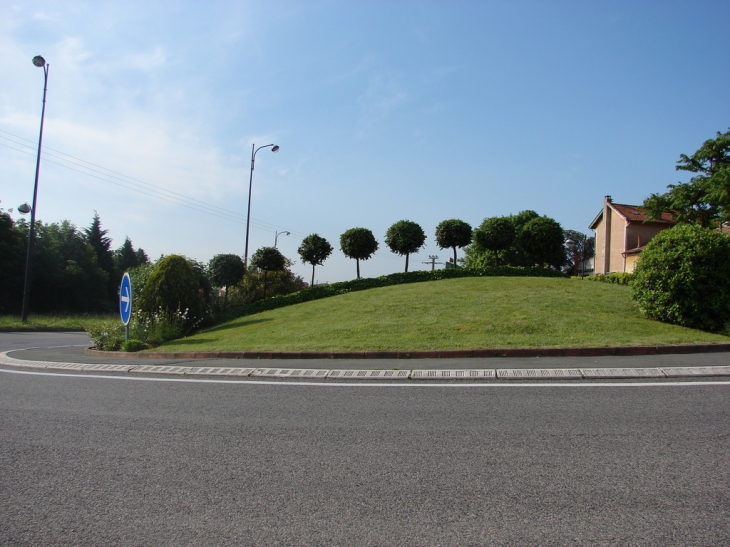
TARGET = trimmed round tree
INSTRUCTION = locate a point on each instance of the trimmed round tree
(358, 243)
(268, 259)
(542, 241)
(405, 237)
(453, 233)
(314, 250)
(226, 270)
(682, 278)
(496, 234)
(172, 286)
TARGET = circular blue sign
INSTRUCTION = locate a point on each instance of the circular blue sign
(125, 299)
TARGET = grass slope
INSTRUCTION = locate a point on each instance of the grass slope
(467, 313)
(61, 322)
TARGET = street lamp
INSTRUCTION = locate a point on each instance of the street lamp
(274, 148)
(40, 62)
(277, 236)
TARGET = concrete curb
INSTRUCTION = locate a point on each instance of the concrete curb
(400, 375)
(422, 354)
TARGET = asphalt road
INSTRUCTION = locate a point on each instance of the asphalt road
(97, 461)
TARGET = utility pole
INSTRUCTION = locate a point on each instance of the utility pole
(433, 259)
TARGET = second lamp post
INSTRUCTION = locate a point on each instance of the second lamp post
(274, 148)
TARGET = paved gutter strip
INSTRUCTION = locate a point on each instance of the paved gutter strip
(675, 372)
(622, 373)
(368, 374)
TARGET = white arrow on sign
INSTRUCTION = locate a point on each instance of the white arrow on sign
(125, 299)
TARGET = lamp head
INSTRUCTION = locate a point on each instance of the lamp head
(570, 243)
(275, 148)
(24, 209)
(39, 61)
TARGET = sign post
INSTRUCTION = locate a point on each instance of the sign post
(125, 303)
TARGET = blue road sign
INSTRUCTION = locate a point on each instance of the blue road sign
(125, 299)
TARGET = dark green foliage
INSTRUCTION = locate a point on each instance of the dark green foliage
(682, 278)
(268, 259)
(405, 237)
(314, 250)
(616, 278)
(13, 243)
(126, 258)
(226, 270)
(542, 241)
(358, 243)
(453, 233)
(334, 289)
(171, 287)
(138, 276)
(65, 273)
(526, 249)
(133, 345)
(496, 234)
(705, 199)
(96, 237)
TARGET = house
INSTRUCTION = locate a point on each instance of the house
(622, 231)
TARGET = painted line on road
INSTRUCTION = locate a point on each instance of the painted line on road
(692, 383)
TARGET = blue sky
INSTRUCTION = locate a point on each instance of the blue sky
(384, 111)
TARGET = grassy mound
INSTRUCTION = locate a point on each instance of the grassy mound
(460, 313)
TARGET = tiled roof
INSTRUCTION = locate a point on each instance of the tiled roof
(634, 213)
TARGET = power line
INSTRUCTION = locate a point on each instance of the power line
(153, 190)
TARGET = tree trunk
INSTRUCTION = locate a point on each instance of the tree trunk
(264, 284)
(225, 299)
(357, 260)
(454, 256)
(406, 262)
(312, 275)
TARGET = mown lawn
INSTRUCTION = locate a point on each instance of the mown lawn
(53, 322)
(466, 313)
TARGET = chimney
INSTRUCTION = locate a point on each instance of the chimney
(609, 199)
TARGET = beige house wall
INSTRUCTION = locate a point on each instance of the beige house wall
(616, 261)
(631, 261)
(640, 234)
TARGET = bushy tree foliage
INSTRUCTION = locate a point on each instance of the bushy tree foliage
(496, 234)
(542, 241)
(172, 286)
(226, 270)
(526, 249)
(12, 264)
(358, 243)
(682, 278)
(97, 238)
(268, 259)
(314, 250)
(705, 199)
(453, 233)
(405, 237)
(126, 257)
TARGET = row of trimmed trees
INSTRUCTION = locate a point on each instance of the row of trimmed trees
(524, 239)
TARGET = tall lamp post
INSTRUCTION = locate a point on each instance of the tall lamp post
(40, 62)
(274, 148)
(277, 236)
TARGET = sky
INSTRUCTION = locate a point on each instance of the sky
(383, 111)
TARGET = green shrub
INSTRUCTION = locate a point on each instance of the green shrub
(132, 345)
(172, 286)
(161, 326)
(682, 278)
(106, 336)
(617, 278)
